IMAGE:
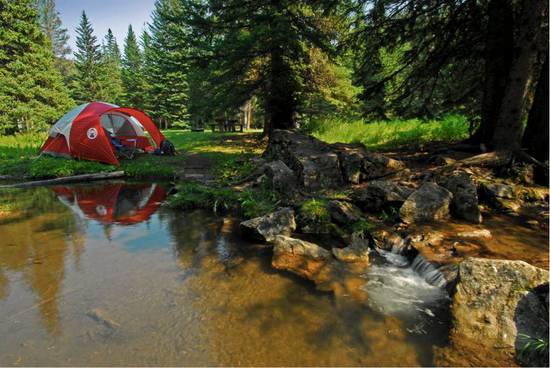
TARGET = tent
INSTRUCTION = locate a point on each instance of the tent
(84, 131)
(120, 203)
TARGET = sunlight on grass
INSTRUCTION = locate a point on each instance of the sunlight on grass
(390, 134)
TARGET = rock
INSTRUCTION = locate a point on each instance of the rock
(319, 165)
(313, 161)
(343, 212)
(389, 241)
(428, 203)
(381, 193)
(465, 203)
(493, 304)
(280, 176)
(497, 190)
(356, 252)
(441, 160)
(302, 258)
(101, 317)
(475, 234)
(265, 228)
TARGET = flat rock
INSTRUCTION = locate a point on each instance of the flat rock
(356, 252)
(475, 234)
(465, 203)
(302, 258)
(381, 193)
(495, 303)
(428, 203)
(343, 212)
(265, 228)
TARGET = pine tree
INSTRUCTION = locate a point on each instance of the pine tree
(53, 28)
(132, 74)
(87, 85)
(167, 63)
(111, 71)
(32, 94)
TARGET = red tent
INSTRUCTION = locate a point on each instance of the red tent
(120, 203)
(82, 132)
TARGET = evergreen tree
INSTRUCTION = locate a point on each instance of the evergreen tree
(264, 48)
(32, 94)
(53, 28)
(167, 62)
(111, 74)
(87, 85)
(132, 74)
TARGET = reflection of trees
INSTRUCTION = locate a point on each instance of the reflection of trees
(36, 238)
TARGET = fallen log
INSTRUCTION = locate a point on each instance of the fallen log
(68, 179)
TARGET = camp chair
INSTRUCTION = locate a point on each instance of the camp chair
(121, 149)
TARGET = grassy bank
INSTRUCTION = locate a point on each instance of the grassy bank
(389, 134)
(19, 156)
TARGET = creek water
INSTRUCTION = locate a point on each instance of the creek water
(104, 274)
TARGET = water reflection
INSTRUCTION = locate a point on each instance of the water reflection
(46, 227)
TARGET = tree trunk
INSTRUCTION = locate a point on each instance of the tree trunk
(247, 114)
(280, 100)
(535, 138)
(509, 128)
(498, 56)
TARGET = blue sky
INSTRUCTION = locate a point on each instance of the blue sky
(105, 14)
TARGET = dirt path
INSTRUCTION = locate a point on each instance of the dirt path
(198, 167)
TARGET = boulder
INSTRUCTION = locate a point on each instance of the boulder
(265, 228)
(430, 202)
(356, 252)
(465, 203)
(302, 258)
(497, 190)
(343, 212)
(495, 304)
(280, 176)
(313, 161)
(381, 193)
(321, 165)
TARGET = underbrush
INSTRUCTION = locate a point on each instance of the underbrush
(389, 134)
(249, 202)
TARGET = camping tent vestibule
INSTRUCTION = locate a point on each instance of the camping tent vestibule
(83, 132)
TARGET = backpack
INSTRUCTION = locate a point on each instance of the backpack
(167, 148)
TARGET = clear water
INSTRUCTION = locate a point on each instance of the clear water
(104, 275)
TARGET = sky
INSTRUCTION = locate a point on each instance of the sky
(105, 14)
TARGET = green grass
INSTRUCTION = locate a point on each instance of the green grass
(19, 157)
(389, 134)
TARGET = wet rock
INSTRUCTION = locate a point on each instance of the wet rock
(475, 234)
(356, 252)
(381, 193)
(429, 203)
(265, 228)
(343, 212)
(494, 304)
(465, 203)
(389, 240)
(280, 176)
(302, 258)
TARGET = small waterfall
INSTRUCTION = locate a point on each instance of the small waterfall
(428, 271)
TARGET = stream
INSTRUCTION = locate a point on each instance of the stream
(103, 274)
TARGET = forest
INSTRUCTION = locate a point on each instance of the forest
(313, 64)
(384, 202)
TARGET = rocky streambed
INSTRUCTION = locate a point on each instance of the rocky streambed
(474, 231)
